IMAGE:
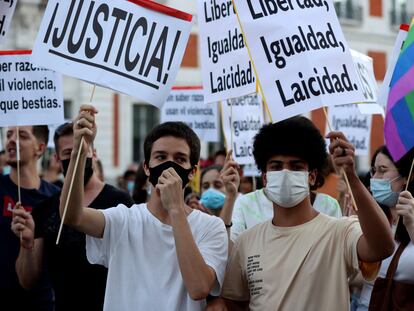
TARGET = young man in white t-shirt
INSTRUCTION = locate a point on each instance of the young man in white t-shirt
(301, 259)
(161, 255)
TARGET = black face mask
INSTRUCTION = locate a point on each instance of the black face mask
(156, 171)
(88, 169)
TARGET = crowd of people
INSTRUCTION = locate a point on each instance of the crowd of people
(157, 242)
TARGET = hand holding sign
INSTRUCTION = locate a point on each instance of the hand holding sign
(84, 127)
(230, 175)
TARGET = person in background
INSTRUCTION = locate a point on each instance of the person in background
(4, 167)
(142, 187)
(78, 285)
(33, 142)
(247, 184)
(129, 181)
(220, 157)
(387, 185)
(53, 171)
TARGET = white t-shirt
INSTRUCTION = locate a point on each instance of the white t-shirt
(254, 208)
(140, 253)
(404, 273)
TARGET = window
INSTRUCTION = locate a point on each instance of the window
(145, 117)
(399, 13)
(348, 11)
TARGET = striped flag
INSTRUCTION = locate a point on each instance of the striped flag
(399, 119)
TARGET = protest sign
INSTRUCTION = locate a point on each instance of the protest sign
(251, 170)
(355, 125)
(225, 64)
(29, 95)
(242, 118)
(385, 88)
(300, 54)
(7, 8)
(134, 47)
(365, 68)
(186, 104)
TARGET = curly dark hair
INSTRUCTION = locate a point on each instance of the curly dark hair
(174, 129)
(295, 136)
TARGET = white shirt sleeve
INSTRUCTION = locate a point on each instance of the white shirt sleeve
(214, 249)
(239, 223)
(98, 251)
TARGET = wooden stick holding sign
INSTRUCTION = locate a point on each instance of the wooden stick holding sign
(354, 205)
(73, 178)
(19, 196)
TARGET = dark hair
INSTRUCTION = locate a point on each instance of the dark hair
(41, 132)
(174, 129)
(296, 136)
(64, 129)
(220, 152)
(139, 194)
(323, 173)
(2, 152)
(209, 168)
(129, 173)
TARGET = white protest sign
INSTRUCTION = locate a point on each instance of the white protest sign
(225, 64)
(242, 118)
(355, 125)
(186, 104)
(385, 88)
(300, 54)
(29, 95)
(365, 68)
(134, 47)
(366, 108)
(7, 8)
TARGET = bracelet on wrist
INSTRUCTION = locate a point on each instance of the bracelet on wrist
(229, 226)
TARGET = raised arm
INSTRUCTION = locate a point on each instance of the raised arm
(83, 219)
(377, 242)
(30, 259)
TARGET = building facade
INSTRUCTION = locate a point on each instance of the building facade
(370, 27)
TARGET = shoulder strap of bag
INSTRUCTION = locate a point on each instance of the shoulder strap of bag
(394, 262)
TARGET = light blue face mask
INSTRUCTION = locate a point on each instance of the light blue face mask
(212, 199)
(6, 170)
(382, 192)
(131, 186)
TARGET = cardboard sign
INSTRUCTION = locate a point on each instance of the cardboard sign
(300, 54)
(364, 66)
(355, 125)
(385, 88)
(242, 118)
(225, 64)
(134, 47)
(186, 104)
(7, 8)
(29, 95)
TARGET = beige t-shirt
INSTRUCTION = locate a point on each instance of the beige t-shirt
(305, 267)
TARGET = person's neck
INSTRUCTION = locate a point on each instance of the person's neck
(155, 207)
(29, 178)
(294, 216)
(92, 189)
(51, 175)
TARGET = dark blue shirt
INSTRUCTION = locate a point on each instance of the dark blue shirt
(12, 295)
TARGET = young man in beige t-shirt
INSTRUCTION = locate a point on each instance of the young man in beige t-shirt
(301, 259)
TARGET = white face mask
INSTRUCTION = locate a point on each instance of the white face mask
(287, 188)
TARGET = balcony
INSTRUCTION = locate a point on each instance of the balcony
(349, 13)
(400, 16)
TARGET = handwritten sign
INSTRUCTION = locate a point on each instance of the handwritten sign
(300, 54)
(242, 118)
(134, 47)
(355, 125)
(186, 104)
(226, 68)
(7, 8)
(29, 95)
(365, 68)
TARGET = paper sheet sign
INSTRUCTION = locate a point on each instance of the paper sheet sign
(134, 47)
(300, 54)
(29, 95)
(225, 64)
(7, 8)
(355, 125)
(242, 118)
(186, 104)
(365, 68)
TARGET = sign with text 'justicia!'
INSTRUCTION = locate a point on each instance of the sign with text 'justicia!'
(134, 47)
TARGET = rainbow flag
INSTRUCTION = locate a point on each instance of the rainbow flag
(399, 119)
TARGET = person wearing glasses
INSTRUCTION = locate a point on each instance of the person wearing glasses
(78, 285)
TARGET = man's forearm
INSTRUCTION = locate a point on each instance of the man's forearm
(29, 264)
(75, 204)
(198, 277)
(374, 223)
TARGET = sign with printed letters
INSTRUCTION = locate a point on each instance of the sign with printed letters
(7, 8)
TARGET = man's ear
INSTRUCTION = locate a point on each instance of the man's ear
(41, 149)
(312, 177)
(264, 179)
(193, 173)
(146, 168)
(94, 154)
